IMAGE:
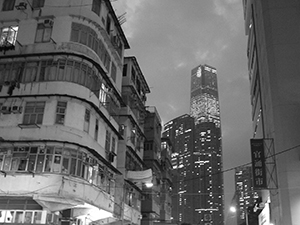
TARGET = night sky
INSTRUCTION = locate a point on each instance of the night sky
(171, 37)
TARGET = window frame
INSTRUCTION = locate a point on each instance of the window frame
(96, 6)
(8, 35)
(61, 109)
(42, 37)
(58, 159)
(96, 133)
(107, 146)
(32, 109)
(87, 120)
(38, 4)
(8, 5)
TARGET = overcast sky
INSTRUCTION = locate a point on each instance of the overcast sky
(171, 37)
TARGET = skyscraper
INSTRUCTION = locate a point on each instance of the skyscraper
(245, 195)
(180, 132)
(204, 103)
(197, 157)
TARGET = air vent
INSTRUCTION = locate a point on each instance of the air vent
(21, 6)
(48, 23)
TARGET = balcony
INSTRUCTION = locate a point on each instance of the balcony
(56, 192)
(151, 155)
(150, 206)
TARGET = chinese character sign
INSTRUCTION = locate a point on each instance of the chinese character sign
(258, 163)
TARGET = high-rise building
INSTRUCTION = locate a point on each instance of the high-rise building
(204, 102)
(273, 51)
(245, 195)
(180, 132)
(197, 153)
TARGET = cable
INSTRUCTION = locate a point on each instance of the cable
(66, 6)
(243, 165)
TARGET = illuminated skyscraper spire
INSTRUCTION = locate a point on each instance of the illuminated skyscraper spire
(204, 102)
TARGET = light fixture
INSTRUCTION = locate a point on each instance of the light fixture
(232, 209)
(149, 185)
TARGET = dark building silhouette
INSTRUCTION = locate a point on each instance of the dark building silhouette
(197, 154)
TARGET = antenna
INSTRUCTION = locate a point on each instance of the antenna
(122, 18)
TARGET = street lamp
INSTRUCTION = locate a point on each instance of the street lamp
(232, 209)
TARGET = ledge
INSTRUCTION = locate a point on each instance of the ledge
(33, 125)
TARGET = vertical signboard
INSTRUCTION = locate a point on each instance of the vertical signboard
(258, 163)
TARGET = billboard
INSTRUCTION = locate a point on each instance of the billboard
(258, 164)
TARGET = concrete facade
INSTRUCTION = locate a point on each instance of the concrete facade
(273, 50)
(68, 136)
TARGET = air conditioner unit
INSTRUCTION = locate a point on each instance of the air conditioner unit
(7, 82)
(48, 23)
(5, 109)
(21, 6)
(111, 157)
(16, 109)
(115, 41)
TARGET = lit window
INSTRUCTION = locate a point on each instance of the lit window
(103, 94)
(8, 36)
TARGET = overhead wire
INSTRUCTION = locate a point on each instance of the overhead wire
(243, 165)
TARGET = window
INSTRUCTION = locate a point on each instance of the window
(96, 130)
(96, 7)
(125, 70)
(103, 94)
(133, 136)
(30, 74)
(113, 72)
(113, 145)
(87, 36)
(8, 5)
(133, 75)
(38, 3)
(87, 120)
(55, 159)
(122, 129)
(60, 112)
(108, 24)
(34, 112)
(43, 33)
(107, 141)
(8, 36)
